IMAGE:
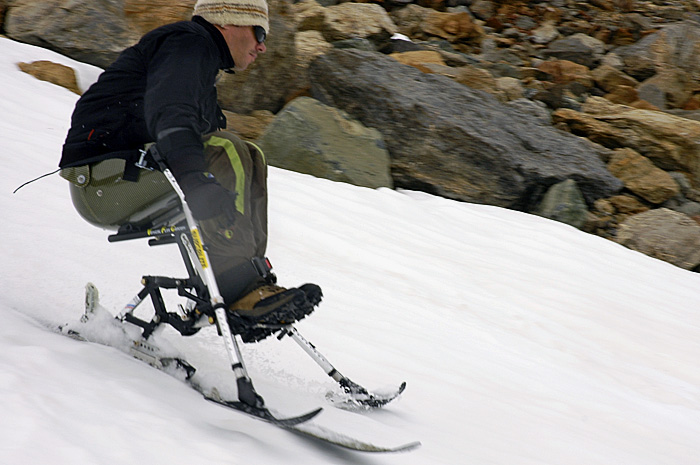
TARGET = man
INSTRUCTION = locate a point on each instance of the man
(163, 90)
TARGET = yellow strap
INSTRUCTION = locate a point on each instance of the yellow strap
(259, 150)
(237, 166)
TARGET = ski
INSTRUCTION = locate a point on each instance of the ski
(300, 424)
(314, 431)
(263, 413)
(98, 325)
(180, 369)
(355, 397)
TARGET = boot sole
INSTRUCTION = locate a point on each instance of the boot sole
(254, 330)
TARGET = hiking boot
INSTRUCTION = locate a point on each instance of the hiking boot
(313, 294)
(268, 308)
(266, 304)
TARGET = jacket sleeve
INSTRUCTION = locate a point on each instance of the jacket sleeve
(180, 74)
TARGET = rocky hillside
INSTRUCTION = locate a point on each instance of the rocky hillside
(586, 112)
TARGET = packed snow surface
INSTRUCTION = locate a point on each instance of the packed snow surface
(523, 341)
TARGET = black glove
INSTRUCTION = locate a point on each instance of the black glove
(206, 197)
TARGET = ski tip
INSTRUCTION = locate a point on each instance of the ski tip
(411, 446)
(263, 413)
(292, 421)
(408, 447)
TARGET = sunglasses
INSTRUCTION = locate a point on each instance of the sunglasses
(260, 34)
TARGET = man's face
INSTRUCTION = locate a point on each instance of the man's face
(243, 45)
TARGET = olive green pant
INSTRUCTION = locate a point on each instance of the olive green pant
(102, 197)
(240, 167)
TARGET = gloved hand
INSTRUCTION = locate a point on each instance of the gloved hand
(206, 197)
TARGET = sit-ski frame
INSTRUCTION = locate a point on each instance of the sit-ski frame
(201, 287)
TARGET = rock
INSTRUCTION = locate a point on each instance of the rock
(653, 94)
(408, 19)
(664, 234)
(421, 23)
(691, 209)
(545, 34)
(308, 15)
(641, 176)
(146, 15)
(613, 60)
(453, 27)
(419, 59)
(560, 96)
(358, 20)
(476, 78)
(671, 142)
(54, 73)
(248, 127)
(687, 114)
(579, 48)
(671, 88)
(609, 78)
(682, 181)
(483, 9)
(509, 88)
(674, 47)
(623, 95)
(642, 104)
(3, 10)
(92, 31)
(603, 206)
(563, 202)
(360, 44)
(503, 88)
(604, 4)
(448, 139)
(627, 205)
(564, 71)
(309, 45)
(309, 137)
(531, 109)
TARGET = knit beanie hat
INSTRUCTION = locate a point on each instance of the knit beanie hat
(236, 12)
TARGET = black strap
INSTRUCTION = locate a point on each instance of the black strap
(131, 171)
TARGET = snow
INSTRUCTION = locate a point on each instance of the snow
(523, 341)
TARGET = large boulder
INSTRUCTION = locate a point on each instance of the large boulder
(642, 177)
(563, 202)
(670, 88)
(357, 20)
(579, 48)
(92, 31)
(309, 137)
(671, 142)
(674, 46)
(3, 9)
(664, 234)
(448, 139)
(146, 15)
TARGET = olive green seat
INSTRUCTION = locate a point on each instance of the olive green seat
(103, 198)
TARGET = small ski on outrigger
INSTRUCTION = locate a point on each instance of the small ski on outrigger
(97, 325)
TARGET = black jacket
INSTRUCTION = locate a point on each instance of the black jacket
(160, 90)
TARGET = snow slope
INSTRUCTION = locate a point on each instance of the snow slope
(523, 341)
